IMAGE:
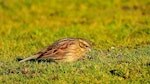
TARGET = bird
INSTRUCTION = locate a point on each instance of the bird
(63, 50)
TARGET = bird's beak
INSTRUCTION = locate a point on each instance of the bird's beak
(90, 49)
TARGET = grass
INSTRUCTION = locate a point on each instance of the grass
(119, 29)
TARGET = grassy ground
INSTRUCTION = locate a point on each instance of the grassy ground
(119, 29)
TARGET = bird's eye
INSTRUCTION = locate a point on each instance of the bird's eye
(86, 46)
(83, 45)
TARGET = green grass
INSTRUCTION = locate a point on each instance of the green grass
(120, 30)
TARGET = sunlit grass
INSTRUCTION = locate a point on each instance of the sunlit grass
(119, 29)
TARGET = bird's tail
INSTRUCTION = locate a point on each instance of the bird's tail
(29, 58)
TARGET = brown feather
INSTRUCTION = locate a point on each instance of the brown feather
(61, 49)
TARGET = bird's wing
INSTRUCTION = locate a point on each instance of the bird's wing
(56, 50)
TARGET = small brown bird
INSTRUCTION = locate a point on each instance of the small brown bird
(64, 50)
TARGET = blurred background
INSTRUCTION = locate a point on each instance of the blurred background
(107, 23)
(120, 30)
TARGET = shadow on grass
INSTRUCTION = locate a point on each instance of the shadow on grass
(39, 60)
(118, 73)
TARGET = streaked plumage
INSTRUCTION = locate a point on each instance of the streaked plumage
(64, 50)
